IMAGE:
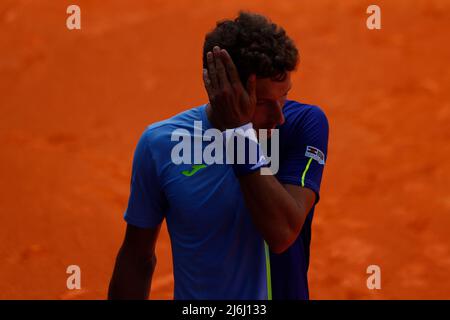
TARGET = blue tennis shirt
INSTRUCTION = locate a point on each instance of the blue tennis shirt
(217, 251)
(303, 152)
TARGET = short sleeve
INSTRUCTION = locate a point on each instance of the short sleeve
(303, 161)
(146, 204)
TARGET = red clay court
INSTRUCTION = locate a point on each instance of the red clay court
(74, 103)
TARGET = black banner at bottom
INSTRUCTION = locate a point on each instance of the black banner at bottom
(193, 310)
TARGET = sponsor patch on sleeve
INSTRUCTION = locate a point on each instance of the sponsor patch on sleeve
(316, 154)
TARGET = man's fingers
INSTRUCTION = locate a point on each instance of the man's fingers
(207, 83)
(212, 70)
(231, 68)
(220, 68)
(251, 86)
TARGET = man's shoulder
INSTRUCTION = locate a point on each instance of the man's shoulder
(298, 111)
(162, 130)
(301, 115)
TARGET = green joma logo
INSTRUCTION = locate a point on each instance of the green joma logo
(194, 170)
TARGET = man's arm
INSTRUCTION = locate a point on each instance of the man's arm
(135, 264)
(277, 210)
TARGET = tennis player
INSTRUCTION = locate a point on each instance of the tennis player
(223, 219)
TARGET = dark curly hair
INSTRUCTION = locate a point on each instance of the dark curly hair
(255, 44)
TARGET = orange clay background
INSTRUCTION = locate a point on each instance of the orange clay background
(74, 103)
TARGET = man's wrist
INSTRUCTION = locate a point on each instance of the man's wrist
(243, 150)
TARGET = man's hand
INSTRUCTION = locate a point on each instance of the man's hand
(231, 105)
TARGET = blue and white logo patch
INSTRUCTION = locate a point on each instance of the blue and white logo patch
(316, 154)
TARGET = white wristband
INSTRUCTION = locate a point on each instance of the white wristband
(245, 158)
(245, 130)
